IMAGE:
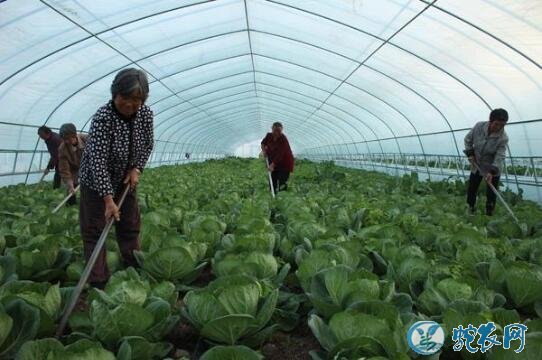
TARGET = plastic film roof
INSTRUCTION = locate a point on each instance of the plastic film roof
(387, 75)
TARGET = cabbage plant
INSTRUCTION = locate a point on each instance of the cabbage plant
(231, 309)
(335, 289)
(435, 298)
(49, 348)
(367, 330)
(175, 261)
(44, 297)
(256, 264)
(264, 242)
(309, 263)
(40, 260)
(127, 297)
(238, 352)
(206, 229)
(19, 322)
(524, 283)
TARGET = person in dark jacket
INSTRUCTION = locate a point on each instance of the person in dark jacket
(276, 147)
(119, 145)
(53, 141)
(485, 146)
(69, 158)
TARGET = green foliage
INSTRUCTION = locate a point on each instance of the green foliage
(126, 297)
(339, 287)
(231, 353)
(19, 322)
(524, 283)
(139, 348)
(257, 264)
(206, 229)
(371, 329)
(361, 254)
(53, 349)
(230, 308)
(40, 259)
(175, 261)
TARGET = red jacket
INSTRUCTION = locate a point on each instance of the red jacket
(279, 152)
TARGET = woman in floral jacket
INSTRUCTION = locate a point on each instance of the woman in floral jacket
(119, 145)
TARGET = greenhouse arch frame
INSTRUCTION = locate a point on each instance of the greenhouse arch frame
(384, 85)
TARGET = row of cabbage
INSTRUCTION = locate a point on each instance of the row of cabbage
(360, 256)
(183, 233)
(373, 264)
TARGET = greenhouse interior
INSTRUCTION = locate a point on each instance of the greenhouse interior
(278, 179)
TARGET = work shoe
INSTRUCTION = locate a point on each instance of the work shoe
(471, 211)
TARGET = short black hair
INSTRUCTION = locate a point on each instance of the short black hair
(277, 124)
(44, 130)
(498, 115)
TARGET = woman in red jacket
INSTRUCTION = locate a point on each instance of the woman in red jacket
(276, 147)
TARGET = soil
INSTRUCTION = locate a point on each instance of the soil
(205, 277)
(82, 304)
(295, 345)
(185, 340)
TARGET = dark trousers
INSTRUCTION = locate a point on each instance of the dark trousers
(474, 184)
(92, 222)
(280, 180)
(73, 199)
(57, 181)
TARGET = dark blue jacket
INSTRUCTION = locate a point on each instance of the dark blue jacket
(53, 143)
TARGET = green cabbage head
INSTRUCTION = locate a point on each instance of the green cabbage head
(230, 308)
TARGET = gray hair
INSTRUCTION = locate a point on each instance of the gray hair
(129, 80)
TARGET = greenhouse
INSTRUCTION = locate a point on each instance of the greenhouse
(278, 179)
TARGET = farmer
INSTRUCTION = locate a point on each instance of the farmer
(53, 141)
(69, 158)
(119, 145)
(485, 146)
(276, 147)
